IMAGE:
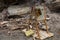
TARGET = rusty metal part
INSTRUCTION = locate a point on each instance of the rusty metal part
(37, 29)
(45, 18)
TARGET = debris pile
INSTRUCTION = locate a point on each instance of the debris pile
(31, 23)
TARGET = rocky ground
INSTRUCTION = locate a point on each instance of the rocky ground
(53, 23)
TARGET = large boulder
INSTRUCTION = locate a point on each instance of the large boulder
(18, 10)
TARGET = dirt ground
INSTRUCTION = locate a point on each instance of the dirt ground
(53, 23)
